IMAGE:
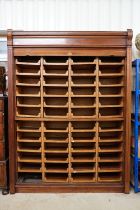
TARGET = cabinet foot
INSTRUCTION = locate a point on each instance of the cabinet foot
(5, 191)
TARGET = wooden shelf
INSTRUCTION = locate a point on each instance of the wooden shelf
(55, 85)
(57, 131)
(28, 140)
(27, 85)
(29, 160)
(83, 170)
(109, 169)
(83, 177)
(25, 167)
(28, 102)
(83, 106)
(60, 178)
(55, 68)
(56, 141)
(56, 63)
(56, 169)
(109, 178)
(82, 150)
(28, 63)
(55, 151)
(56, 160)
(87, 167)
(110, 140)
(56, 125)
(83, 96)
(55, 75)
(83, 130)
(111, 74)
(82, 141)
(83, 75)
(83, 63)
(82, 160)
(26, 170)
(111, 106)
(56, 106)
(29, 74)
(110, 63)
(27, 116)
(28, 111)
(83, 91)
(28, 150)
(105, 69)
(110, 85)
(110, 149)
(55, 96)
(81, 85)
(29, 105)
(109, 160)
(28, 130)
(110, 130)
(28, 95)
(56, 148)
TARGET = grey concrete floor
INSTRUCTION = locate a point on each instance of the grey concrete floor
(71, 201)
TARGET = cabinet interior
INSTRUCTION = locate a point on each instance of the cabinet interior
(69, 112)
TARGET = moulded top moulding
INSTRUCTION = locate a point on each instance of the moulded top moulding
(69, 39)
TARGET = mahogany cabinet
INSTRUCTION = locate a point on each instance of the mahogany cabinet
(69, 111)
(4, 145)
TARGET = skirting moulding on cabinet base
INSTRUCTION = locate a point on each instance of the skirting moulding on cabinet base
(82, 188)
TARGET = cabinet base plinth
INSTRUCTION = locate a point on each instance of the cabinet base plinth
(84, 188)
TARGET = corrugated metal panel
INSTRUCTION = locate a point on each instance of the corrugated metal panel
(70, 15)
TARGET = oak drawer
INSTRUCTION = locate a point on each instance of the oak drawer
(3, 174)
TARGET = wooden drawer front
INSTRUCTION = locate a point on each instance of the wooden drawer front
(1, 105)
(1, 117)
(2, 150)
(3, 178)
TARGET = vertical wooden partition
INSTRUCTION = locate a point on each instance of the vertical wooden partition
(69, 105)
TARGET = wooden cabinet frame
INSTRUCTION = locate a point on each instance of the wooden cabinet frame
(4, 158)
(69, 44)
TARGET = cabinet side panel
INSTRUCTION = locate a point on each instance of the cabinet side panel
(128, 120)
(11, 119)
